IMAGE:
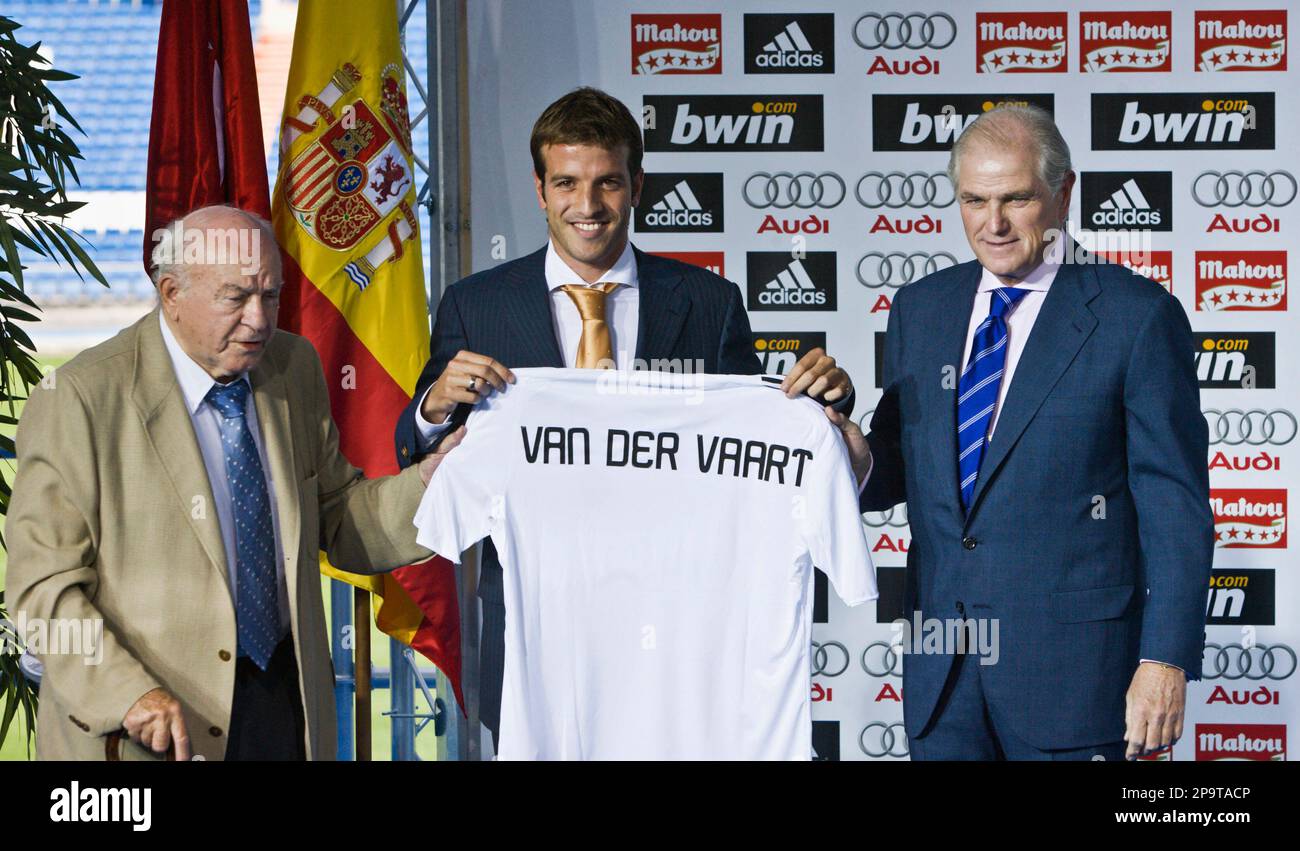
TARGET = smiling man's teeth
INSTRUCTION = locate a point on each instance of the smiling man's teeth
(587, 227)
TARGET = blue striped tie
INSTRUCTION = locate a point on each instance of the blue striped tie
(257, 607)
(978, 389)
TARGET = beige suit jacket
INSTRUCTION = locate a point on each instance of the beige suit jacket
(112, 517)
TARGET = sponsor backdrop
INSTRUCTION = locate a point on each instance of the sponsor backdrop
(799, 149)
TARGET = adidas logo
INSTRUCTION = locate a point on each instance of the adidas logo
(791, 286)
(1126, 206)
(679, 208)
(790, 49)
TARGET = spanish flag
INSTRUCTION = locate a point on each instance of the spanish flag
(344, 213)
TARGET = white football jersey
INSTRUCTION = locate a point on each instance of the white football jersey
(658, 535)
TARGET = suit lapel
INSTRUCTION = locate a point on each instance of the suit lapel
(1062, 326)
(661, 311)
(270, 397)
(156, 394)
(950, 341)
(527, 312)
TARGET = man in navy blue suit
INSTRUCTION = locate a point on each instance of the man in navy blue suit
(588, 299)
(1041, 419)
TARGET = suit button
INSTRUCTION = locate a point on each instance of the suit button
(961, 608)
(223, 655)
(405, 452)
(969, 543)
(215, 732)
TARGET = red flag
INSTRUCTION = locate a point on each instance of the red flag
(205, 140)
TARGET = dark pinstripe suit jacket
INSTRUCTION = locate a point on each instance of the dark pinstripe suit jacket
(505, 313)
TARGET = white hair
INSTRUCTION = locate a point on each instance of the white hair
(1006, 127)
(167, 258)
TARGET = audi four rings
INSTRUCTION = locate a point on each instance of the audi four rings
(1244, 188)
(1255, 427)
(897, 189)
(898, 268)
(1239, 662)
(896, 31)
(874, 190)
(804, 189)
(890, 740)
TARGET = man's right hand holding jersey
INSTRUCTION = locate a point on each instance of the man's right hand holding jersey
(467, 379)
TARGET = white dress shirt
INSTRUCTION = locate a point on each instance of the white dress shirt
(622, 315)
(195, 384)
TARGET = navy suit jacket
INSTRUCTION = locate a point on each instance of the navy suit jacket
(505, 313)
(1089, 535)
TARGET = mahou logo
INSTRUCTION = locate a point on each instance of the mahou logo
(1020, 42)
(710, 260)
(1260, 742)
(1156, 265)
(1241, 280)
(1231, 40)
(677, 44)
(1249, 517)
(1124, 41)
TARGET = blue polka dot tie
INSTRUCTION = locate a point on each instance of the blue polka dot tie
(257, 609)
(978, 389)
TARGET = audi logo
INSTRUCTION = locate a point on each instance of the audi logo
(1244, 189)
(1254, 427)
(898, 268)
(882, 659)
(891, 740)
(896, 189)
(894, 31)
(896, 517)
(830, 659)
(1238, 662)
(804, 189)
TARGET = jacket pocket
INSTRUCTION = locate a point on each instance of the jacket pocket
(1090, 604)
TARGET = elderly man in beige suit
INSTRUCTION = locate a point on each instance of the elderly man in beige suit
(177, 482)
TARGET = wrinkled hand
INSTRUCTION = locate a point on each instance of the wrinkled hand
(431, 461)
(855, 440)
(453, 386)
(817, 375)
(1153, 708)
(155, 722)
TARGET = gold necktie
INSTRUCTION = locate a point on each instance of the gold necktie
(595, 351)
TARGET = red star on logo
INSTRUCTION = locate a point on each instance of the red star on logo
(997, 60)
(1232, 295)
(1217, 298)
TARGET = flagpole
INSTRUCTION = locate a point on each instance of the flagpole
(361, 632)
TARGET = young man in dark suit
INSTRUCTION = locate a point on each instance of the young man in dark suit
(589, 299)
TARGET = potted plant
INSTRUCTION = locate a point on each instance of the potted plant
(36, 158)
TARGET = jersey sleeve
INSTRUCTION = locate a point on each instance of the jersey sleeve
(832, 524)
(466, 494)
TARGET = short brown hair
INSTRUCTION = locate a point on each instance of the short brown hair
(587, 116)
